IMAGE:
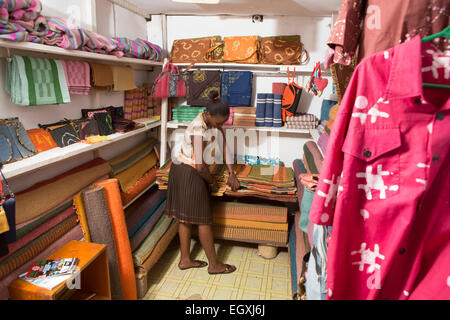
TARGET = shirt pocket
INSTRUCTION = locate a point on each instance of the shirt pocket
(372, 161)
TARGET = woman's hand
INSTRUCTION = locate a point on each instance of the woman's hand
(213, 188)
(233, 182)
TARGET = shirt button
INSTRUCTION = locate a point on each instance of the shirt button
(402, 251)
(367, 153)
(440, 116)
(435, 158)
(418, 101)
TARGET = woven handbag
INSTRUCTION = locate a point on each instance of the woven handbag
(190, 50)
(170, 83)
(278, 51)
(291, 98)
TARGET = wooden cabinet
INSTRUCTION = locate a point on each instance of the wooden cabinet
(94, 276)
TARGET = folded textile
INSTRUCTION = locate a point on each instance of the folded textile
(146, 248)
(261, 110)
(130, 176)
(136, 103)
(97, 43)
(244, 193)
(130, 158)
(139, 48)
(268, 116)
(78, 76)
(136, 220)
(33, 248)
(244, 111)
(123, 78)
(236, 87)
(266, 174)
(278, 88)
(100, 229)
(102, 75)
(15, 32)
(73, 234)
(61, 35)
(25, 10)
(29, 202)
(293, 125)
(121, 239)
(250, 212)
(146, 180)
(141, 233)
(36, 81)
(275, 237)
(313, 157)
(245, 122)
(323, 142)
(277, 113)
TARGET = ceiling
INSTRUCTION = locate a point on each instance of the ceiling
(243, 7)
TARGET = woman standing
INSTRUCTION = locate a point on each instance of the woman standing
(191, 183)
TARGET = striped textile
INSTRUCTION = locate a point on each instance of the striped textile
(261, 110)
(36, 81)
(243, 193)
(62, 35)
(273, 237)
(97, 43)
(15, 32)
(146, 180)
(33, 248)
(130, 176)
(145, 249)
(73, 234)
(277, 113)
(136, 103)
(250, 224)
(323, 142)
(143, 213)
(268, 115)
(312, 157)
(292, 125)
(269, 189)
(302, 118)
(250, 212)
(138, 48)
(25, 10)
(29, 204)
(265, 174)
(131, 157)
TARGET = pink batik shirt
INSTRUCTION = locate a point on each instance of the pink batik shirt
(385, 181)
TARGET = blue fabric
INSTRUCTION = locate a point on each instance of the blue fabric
(261, 110)
(326, 107)
(147, 216)
(5, 153)
(277, 114)
(306, 204)
(25, 146)
(269, 110)
(236, 87)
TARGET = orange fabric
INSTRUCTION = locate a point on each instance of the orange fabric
(41, 139)
(124, 255)
(241, 49)
(146, 180)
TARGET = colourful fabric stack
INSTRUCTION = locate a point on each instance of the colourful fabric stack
(36, 81)
(244, 116)
(185, 113)
(268, 110)
(139, 48)
(78, 76)
(136, 103)
(305, 121)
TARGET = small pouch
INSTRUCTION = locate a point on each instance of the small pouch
(241, 49)
(63, 134)
(105, 123)
(9, 152)
(86, 128)
(41, 139)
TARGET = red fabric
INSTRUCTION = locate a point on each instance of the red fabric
(389, 210)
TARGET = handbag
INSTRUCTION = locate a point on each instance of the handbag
(190, 50)
(41, 139)
(215, 53)
(63, 133)
(8, 207)
(86, 128)
(241, 49)
(277, 51)
(200, 83)
(170, 83)
(105, 123)
(291, 97)
(14, 141)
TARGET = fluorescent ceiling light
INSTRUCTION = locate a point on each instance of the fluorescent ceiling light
(198, 1)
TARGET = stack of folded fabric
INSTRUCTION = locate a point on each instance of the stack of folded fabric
(244, 116)
(250, 223)
(136, 103)
(135, 169)
(186, 113)
(45, 219)
(305, 121)
(219, 172)
(268, 110)
(139, 48)
(27, 77)
(78, 76)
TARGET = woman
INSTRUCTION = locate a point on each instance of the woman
(191, 183)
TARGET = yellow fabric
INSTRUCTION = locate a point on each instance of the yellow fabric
(129, 154)
(81, 212)
(251, 224)
(123, 78)
(130, 176)
(4, 226)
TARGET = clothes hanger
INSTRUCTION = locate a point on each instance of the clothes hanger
(443, 34)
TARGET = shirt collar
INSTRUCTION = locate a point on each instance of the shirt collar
(405, 79)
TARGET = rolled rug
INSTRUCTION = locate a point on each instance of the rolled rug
(99, 222)
(122, 241)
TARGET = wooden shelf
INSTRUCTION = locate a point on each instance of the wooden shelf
(55, 155)
(244, 66)
(29, 48)
(176, 125)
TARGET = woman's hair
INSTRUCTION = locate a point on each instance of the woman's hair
(217, 106)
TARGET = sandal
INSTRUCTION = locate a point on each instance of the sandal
(228, 269)
(201, 264)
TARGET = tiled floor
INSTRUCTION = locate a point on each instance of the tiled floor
(255, 278)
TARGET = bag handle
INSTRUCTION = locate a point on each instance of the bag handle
(2, 195)
(10, 147)
(307, 56)
(254, 52)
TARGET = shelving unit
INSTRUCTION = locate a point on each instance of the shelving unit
(36, 49)
(49, 157)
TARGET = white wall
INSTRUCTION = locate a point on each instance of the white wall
(94, 16)
(314, 32)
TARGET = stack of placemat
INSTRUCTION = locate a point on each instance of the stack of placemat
(304, 121)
